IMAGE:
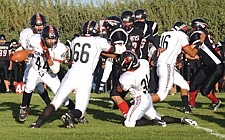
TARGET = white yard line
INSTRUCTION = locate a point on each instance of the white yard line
(211, 131)
(208, 130)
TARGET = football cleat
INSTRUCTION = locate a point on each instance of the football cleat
(214, 106)
(187, 110)
(83, 120)
(24, 111)
(159, 122)
(189, 121)
(67, 120)
(34, 125)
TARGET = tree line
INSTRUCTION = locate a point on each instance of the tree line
(68, 16)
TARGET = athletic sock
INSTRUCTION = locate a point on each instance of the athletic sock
(184, 99)
(48, 111)
(193, 96)
(124, 108)
(212, 97)
(169, 119)
(45, 97)
(144, 122)
(26, 99)
(71, 105)
(75, 113)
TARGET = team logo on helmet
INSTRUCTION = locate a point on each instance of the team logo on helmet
(51, 32)
(112, 22)
(202, 24)
(38, 19)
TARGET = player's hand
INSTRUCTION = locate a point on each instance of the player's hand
(47, 54)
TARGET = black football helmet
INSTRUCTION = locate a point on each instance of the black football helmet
(179, 26)
(128, 61)
(37, 20)
(140, 14)
(90, 28)
(128, 19)
(2, 37)
(127, 16)
(111, 23)
(199, 24)
(50, 32)
(14, 41)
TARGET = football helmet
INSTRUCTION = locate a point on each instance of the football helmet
(179, 26)
(199, 24)
(37, 20)
(128, 19)
(127, 16)
(50, 36)
(2, 37)
(111, 23)
(140, 14)
(90, 28)
(128, 61)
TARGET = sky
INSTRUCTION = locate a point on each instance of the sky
(101, 1)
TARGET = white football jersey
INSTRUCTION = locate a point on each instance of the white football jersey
(39, 61)
(86, 52)
(172, 41)
(25, 35)
(136, 82)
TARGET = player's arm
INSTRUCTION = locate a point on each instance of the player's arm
(154, 40)
(192, 49)
(54, 65)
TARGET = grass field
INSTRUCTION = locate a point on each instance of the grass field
(105, 123)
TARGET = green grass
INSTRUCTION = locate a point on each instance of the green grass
(105, 123)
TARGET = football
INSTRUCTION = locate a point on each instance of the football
(19, 56)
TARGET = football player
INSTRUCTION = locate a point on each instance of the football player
(4, 61)
(135, 80)
(173, 41)
(37, 22)
(48, 53)
(211, 70)
(86, 50)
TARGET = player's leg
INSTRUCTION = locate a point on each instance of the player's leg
(165, 73)
(31, 82)
(137, 111)
(6, 75)
(207, 86)
(63, 91)
(187, 121)
(195, 81)
(115, 96)
(43, 93)
(53, 82)
(106, 73)
(182, 83)
(83, 92)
